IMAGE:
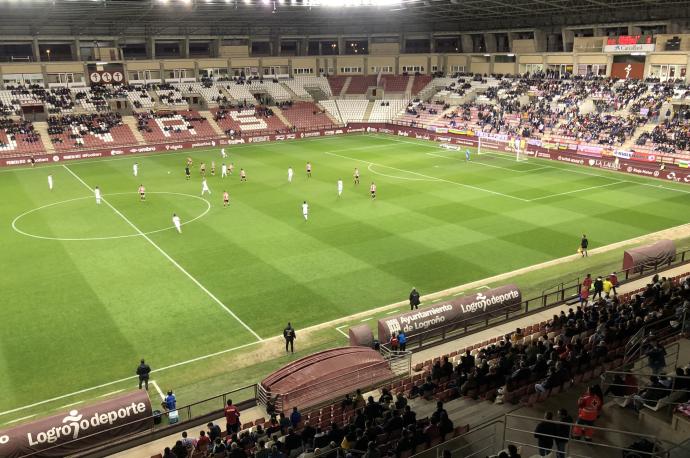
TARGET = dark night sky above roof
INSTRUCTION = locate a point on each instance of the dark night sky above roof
(235, 17)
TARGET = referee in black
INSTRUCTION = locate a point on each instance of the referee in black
(143, 371)
(414, 299)
(584, 243)
(290, 336)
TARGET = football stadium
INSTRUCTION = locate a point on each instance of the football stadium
(345, 229)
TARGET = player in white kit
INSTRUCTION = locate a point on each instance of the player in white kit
(176, 222)
(50, 182)
(340, 188)
(223, 170)
(135, 169)
(290, 173)
(97, 194)
(222, 153)
(204, 187)
(305, 210)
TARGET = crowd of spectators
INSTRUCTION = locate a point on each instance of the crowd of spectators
(144, 118)
(672, 135)
(386, 426)
(13, 128)
(551, 361)
(78, 126)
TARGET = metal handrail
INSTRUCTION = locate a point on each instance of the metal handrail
(549, 300)
(157, 414)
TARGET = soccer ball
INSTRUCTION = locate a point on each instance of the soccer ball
(168, 172)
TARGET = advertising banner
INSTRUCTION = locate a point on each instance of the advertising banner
(460, 311)
(78, 429)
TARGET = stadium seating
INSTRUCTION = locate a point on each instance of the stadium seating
(300, 84)
(394, 83)
(419, 83)
(18, 138)
(387, 110)
(207, 90)
(139, 97)
(248, 119)
(336, 83)
(346, 110)
(360, 84)
(173, 125)
(306, 115)
(89, 131)
(171, 97)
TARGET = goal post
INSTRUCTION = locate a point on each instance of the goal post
(512, 147)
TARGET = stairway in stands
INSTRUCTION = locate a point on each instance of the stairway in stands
(279, 113)
(131, 121)
(408, 89)
(367, 112)
(333, 119)
(343, 91)
(212, 122)
(42, 128)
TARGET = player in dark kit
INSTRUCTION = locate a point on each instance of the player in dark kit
(187, 172)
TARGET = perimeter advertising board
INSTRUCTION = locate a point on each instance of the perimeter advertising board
(78, 429)
(461, 311)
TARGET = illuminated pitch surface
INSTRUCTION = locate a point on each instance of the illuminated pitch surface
(81, 313)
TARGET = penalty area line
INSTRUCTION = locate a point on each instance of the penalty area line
(169, 258)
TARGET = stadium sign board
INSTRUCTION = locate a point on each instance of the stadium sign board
(461, 311)
(79, 429)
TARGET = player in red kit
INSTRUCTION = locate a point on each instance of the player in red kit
(142, 192)
(226, 199)
(372, 190)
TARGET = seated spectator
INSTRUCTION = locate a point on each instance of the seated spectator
(203, 442)
(295, 417)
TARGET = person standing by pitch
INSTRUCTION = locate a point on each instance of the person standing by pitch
(414, 299)
(290, 336)
(143, 372)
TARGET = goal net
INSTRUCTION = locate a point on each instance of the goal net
(512, 147)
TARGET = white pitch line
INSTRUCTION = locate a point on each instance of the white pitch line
(460, 160)
(70, 404)
(483, 287)
(341, 331)
(392, 312)
(167, 256)
(366, 319)
(19, 419)
(578, 190)
(158, 388)
(458, 293)
(430, 177)
(111, 393)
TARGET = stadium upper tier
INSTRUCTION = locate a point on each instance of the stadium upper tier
(647, 116)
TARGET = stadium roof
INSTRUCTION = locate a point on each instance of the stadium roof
(263, 17)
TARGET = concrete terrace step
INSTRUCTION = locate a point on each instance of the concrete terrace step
(131, 121)
(279, 113)
(367, 112)
(343, 91)
(211, 122)
(42, 128)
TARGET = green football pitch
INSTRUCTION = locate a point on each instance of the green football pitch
(87, 289)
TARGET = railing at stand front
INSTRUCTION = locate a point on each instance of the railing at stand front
(239, 396)
(529, 306)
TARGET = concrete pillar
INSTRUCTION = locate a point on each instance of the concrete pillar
(492, 61)
(151, 48)
(320, 48)
(568, 39)
(215, 47)
(303, 47)
(428, 65)
(687, 74)
(36, 49)
(540, 41)
(432, 43)
(490, 42)
(196, 70)
(609, 63)
(341, 45)
(184, 47)
(76, 49)
(402, 43)
(467, 45)
(365, 65)
(397, 65)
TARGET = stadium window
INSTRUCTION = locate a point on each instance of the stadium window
(382, 69)
(413, 69)
(302, 71)
(457, 69)
(22, 78)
